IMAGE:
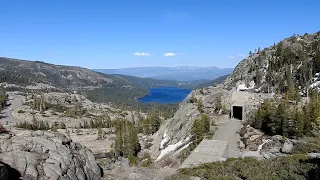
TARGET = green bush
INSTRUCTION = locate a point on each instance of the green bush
(308, 145)
(200, 106)
(200, 129)
(3, 129)
(3, 99)
(201, 91)
(192, 99)
(146, 162)
(133, 160)
(291, 167)
(21, 111)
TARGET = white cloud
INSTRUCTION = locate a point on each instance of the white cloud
(141, 54)
(169, 54)
(237, 56)
(241, 55)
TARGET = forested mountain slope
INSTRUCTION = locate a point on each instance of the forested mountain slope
(38, 75)
(289, 64)
(23, 73)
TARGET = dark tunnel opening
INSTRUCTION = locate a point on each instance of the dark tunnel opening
(237, 112)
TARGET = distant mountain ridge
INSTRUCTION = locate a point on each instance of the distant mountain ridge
(217, 81)
(16, 74)
(180, 73)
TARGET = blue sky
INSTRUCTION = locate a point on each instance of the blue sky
(132, 33)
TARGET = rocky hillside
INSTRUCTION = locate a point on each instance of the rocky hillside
(288, 65)
(291, 63)
(175, 134)
(18, 74)
(40, 74)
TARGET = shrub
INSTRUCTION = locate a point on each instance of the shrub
(192, 99)
(201, 91)
(308, 145)
(290, 167)
(54, 127)
(133, 160)
(147, 145)
(200, 129)
(146, 162)
(21, 111)
(200, 106)
(53, 113)
(3, 129)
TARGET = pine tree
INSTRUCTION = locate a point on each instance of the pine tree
(126, 142)
(299, 124)
(258, 77)
(99, 133)
(205, 123)
(197, 131)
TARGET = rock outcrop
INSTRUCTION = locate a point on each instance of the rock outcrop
(287, 147)
(47, 155)
(175, 133)
(214, 101)
(251, 138)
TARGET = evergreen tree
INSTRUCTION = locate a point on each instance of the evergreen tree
(100, 133)
(298, 122)
(126, 142)
(197, 131)
(205, 122)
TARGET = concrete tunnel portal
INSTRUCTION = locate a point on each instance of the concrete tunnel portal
(239, 99)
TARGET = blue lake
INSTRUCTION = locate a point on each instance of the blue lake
(165, 95)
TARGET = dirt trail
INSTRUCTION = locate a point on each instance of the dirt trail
(16, 101)
(228, 132)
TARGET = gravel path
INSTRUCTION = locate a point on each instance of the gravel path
(228, 132)
(16, 102)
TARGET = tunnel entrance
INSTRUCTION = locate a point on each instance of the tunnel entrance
(237, 112)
